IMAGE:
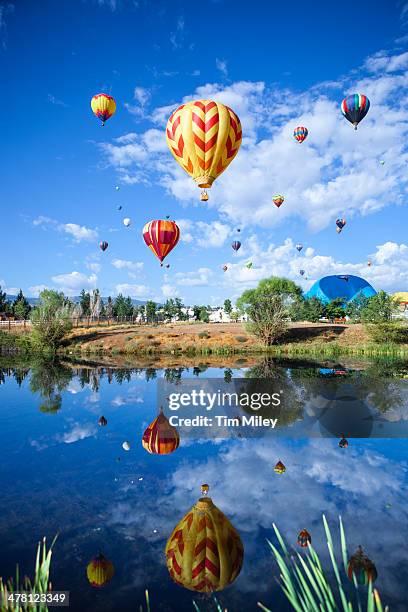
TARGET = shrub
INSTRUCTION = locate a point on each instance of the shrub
(204, 334)
(241, 338)
(396, 333)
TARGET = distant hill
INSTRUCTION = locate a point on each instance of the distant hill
(34, 300)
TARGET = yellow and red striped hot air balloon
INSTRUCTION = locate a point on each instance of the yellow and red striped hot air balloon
(161, 236)
(160, 438)
(103, 106)
(204, 553)
(99, 571)
(204, 137)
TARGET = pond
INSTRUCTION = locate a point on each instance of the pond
(64, 474)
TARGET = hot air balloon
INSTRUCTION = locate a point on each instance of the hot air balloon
(103, 245)
(204, 196)
(161, 236)
(126, 445)
(225, 268)
(369, 263)
(99, 571)
(102, 421)
(249, 265)
(160, 438)
(300, 133)
(299, 247)
(117, 187)
(103, 106)
(238, 229)
(355, 108)
(301, 272)
(279, 468)
(362, 567)
(119, 207)
(126, 222)
(278, 200)
(343, 442)
(204, 553)
(236, 245)
(204, 137)
(340, 223)
(304, 538)
(204, 489)
(382, 162)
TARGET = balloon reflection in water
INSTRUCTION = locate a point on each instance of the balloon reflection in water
(304, 538)
(99, 571)
(204, 553)
(362, 567)
(160, 438)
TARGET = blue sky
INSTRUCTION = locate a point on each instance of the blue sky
(278, 66)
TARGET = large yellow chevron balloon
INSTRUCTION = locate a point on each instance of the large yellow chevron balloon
(204, 553)
(204, 137)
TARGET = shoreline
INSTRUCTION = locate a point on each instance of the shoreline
(197, 340)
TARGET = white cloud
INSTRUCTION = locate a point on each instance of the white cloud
(135, 291)
(177, 36)
(221, 65)
(56, 101)
(199, 278)
(78, 232)
(141, 96)
(122, 264)
(35, 290)
(169, 291)
(73, 282)
(337, 169)
(78, 432)
(94, 267)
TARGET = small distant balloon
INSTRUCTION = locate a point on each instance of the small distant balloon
(225, 267)
(117, 187)
(127, 222)
(301, 272)
(343, 442)
(382, 162)
(369, 263)
(103, 245)
(299, 247)
(300, 133)
(119, 207)
(102, 421)
(278, 200)
(238, 229)
(236, 245)
(126, 446)
(249, 265)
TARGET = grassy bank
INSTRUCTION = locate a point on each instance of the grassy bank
(216, 339)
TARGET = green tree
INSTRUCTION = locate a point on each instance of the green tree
(356, 307)
(109, 307)
(275, 285)
(336, 309)
(228, 306)
(21, 308)
(51, 320)
(123, 307)
(203, 315)
(234, 315)
(169, 309)
(196, 312)
(182, 316)
(379, 308)
(307, 310)
(150, 309)
(4, 303)
(267, 318)
(85, 303)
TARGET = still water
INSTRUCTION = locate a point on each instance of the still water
(63, 474)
